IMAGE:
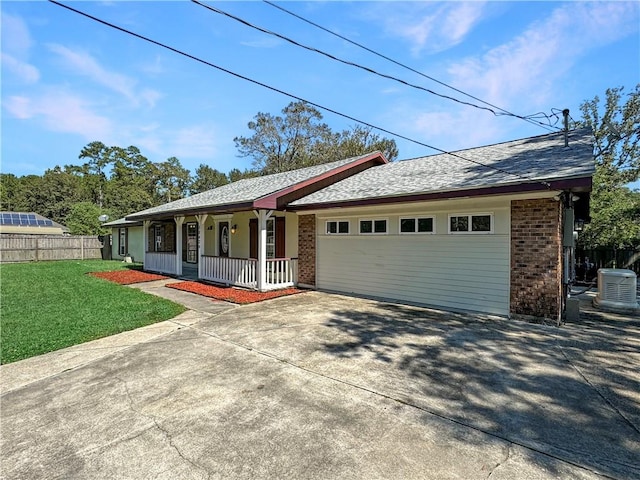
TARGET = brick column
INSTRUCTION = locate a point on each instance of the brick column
(536, 258)
(307, 250)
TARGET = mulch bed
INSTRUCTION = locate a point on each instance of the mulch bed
(127, 277)
(230, 294)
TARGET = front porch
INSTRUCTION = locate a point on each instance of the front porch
(238, 272)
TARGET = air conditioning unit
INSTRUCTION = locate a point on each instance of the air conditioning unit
(617, 290)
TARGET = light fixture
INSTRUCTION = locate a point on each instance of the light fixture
(234, 229)
(579, 225)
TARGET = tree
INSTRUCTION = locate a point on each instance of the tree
(83, 219)
(207, 178)
(300, 139)
(615, 208)
(172, 180)
(9, 191)
(98, 155)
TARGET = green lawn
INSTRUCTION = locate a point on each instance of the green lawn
(46, 306)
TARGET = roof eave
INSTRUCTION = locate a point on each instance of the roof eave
(577, 184)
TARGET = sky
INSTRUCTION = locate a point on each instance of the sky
(68, 80)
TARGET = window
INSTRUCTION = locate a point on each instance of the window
(335, 227)
(372, 227)
(416, 225)
(122, 242)
(482, 223)
(271, 238)
(162, 237)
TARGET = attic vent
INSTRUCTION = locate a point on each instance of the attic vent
(616, 289)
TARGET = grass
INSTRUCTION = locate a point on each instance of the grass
(47, 306)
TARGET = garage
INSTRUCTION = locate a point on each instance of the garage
(457, 258)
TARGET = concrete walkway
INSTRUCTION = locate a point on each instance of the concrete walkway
(319, 386)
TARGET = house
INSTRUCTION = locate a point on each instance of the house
(487, 229)
(126, 239)
(29, 223)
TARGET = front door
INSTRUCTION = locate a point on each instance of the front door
(223, 239)
(192, 243)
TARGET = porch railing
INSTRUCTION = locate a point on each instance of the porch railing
(160, 262)
(281, 272)
(230, 271)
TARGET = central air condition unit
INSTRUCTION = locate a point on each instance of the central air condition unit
(617, 290)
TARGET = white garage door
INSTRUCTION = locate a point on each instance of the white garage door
(469, 272)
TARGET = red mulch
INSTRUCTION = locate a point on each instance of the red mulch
(127, 277)
(229, 294)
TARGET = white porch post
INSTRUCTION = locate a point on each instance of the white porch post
(179, 221)
(261, 274)
(145, 240)
(201, 219)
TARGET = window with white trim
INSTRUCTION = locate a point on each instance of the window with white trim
(476, 223)
(337, 227)
(122, 241)
(417, 225)
(271, 238)
(377, 226)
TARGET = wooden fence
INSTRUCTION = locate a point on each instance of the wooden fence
(34, 248)
(605, 258)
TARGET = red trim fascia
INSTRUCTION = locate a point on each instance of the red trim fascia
(306, 187)
(576, 184)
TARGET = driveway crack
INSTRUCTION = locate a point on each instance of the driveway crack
(162, 430)
(507, 454)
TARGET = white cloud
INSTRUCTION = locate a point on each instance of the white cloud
(532, 62)
(16, 44)
(84, 64)
(61, 111)
(15, 35)
(427, 26)
(25, 72)
(197, 141)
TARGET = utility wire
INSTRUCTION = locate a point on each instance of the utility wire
(527, 118)
(338, 59)
(295, 97)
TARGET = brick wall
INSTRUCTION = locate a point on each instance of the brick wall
(536, 265)
(307, 249)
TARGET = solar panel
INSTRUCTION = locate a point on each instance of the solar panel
(33, 221)
(48, 223)
(40, 222)
(31, 216)
(15, 215)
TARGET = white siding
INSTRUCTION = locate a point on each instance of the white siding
(469, 272)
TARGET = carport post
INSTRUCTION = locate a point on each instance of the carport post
(261, 273)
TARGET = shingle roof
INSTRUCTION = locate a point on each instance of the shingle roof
(246, 190)
(527, 160)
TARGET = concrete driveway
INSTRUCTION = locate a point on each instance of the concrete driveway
(326, 386)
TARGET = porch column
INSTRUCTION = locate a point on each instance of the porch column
(145, 240)
(261, 274)
(179, 221)
(201, 219)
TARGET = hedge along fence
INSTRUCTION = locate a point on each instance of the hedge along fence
(35, 248)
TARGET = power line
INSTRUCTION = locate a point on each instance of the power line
(338, 59)
(295, 97)
(527, 118)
